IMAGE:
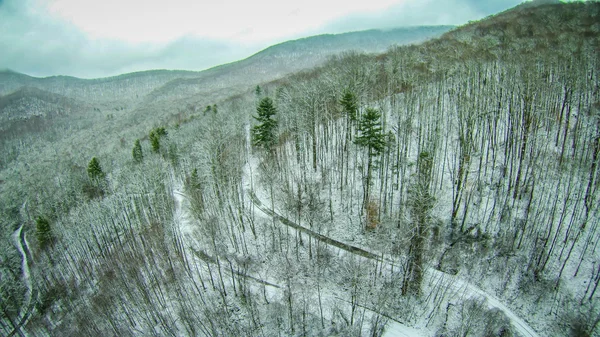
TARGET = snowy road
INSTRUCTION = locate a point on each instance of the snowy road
(21, 243)
(395, 329)
(471, 291)
(467, 289)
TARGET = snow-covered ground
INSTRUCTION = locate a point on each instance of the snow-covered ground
(25, 312)
(465, 290)
(461, 289)
(395, 329)
(469, 291)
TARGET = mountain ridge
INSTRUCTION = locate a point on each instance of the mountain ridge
(488, 175)
(270, 48)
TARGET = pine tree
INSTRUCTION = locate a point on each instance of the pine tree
(350, 109)
(43, 232)
(154, 141)
(263, 134)
(371, 137)
(137, 153)
(155, 136)
(194, 179)
(349, 106)
(94, 170)
(258, 91)
(420, 203)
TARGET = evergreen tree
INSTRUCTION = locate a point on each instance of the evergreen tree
(138, 155)
(420, 203)
(194, 179)
(371, 137)
(43, 232)
(263, 134)
(155, 136)
(195, 193)
(350, 106)
(154, 141)
(94, 170)
(350, 109)
(258, 91)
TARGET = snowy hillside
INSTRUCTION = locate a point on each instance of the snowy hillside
(448, 188)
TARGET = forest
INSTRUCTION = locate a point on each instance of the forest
(446, 188)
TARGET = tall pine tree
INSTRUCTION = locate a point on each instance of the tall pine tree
(349, 105)
(155, 136)
(263, 134)
(371, 137)
(138, 155)
(94, 170)
(43, 232)
(420, 203)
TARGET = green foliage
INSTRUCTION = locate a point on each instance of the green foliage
(194, 179)
(95, 170)
(371, 135)
(154, 142)
(263, 134)
(194, 191)
(43, 232)
(137, 153)
(155, 136)
(211, 108)
(258, 91)
(349, 105)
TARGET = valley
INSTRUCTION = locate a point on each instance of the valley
(423, 181)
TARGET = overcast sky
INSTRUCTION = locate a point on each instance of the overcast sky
(98, 38)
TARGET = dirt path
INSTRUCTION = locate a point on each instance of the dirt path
(326, 239)
(468, 290)
(29, 303)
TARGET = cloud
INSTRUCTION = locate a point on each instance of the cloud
(86, 38)
(40, 45)
(424, 12)
(234, 20)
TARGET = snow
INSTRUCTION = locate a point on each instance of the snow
(396, 329)
(470, 291)
(181, 215)
(25, 310)
(460, 286)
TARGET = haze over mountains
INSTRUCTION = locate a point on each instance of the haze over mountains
(268, 64)
(425, 181)
(99, 39)
(57, 95)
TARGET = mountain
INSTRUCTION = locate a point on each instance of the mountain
(292, 56)
(446, 188)
(125, 89)
(131, 89)
(154, 92)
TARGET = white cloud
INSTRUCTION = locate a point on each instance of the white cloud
(234, 20)
(98, 38)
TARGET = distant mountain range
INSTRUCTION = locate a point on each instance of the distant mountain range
(269, 64)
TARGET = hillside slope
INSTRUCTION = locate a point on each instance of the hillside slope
(449, 188)
(131, 89)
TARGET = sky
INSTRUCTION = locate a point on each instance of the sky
(100, 38)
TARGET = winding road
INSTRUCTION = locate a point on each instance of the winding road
(463, 287)
(21, 243)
